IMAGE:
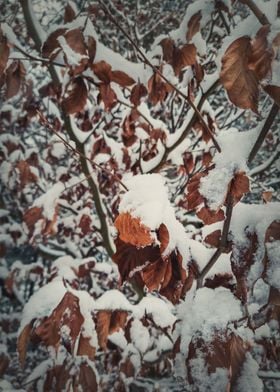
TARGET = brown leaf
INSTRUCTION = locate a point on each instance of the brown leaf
(209, 216)
(31, 217)
(77, 97)
(163, 236)
(193, 25)
(51, 43)
(239, 80)
(154, 274)
(67, 313)
(122, 78)
(91, 45)
(168, 46)
(131, 260)
(4, 363)
(25, 174)
(85, 348)
(75, 39)
(267, 196)
(132, 231)
(22, 342)
(108, 96)
(239, 186)
(4, 54)
(157, 89)
(87, 379)
(274, 92)
(103, 71)
(261, 55)
(102, 327)
(138, 91)
(213, 238)
(187, 56)
(85, 224)
(69, 14)
(15, 74)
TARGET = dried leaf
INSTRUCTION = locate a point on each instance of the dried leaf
(87, 378)
(122, 78)
(138, 91)
(193, 25)
(22, 342)
(51, 44)
(209, 216)
(15, 74)
(75, 39)
(91, 45)
(77, 97)
(103, 71)
(102, 327)
(31, 217)
(239, 186)
(274, 92)
(131, 260)
(267, 196)
(132, 231)
(25, 174)
(68, 314)
(69, 14)
(163, 236)
(108, 96)
(157, 89)
(4, 54)
(238, 79)
(261, 55)
(85, 348)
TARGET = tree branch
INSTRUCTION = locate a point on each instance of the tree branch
(35, 35)
(262, 18)
(266, 127)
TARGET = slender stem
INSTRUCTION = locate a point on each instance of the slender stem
(266, 127)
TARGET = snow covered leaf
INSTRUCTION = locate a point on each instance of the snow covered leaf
(51, 44)
(15, 74)
(32, 216)
(272, 251)
(4, 53)
(132, 231)
(75, 40)
(103, 71)
(109, 322)
(77, 96)
(178, 58)
(108, 96)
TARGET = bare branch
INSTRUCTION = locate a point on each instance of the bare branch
(262, 18)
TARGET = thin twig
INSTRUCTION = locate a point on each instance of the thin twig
(266, 127)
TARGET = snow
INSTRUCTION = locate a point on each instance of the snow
(43, 302)
(48, 200)
(140, 336)
(113, 300)
(160, 311)
(248, 380)
(207, 312)
(216, 381)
